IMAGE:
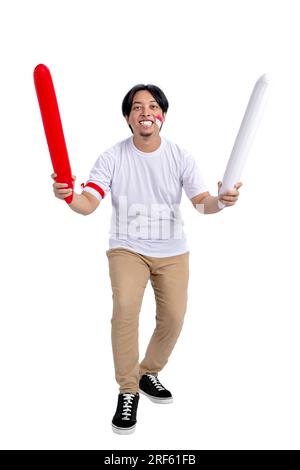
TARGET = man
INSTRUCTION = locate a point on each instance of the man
(145, 174)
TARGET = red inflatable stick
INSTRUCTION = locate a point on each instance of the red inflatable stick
(53, 127)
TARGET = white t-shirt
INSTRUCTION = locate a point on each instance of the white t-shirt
(146, 192)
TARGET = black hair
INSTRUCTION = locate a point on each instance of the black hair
(155, 91)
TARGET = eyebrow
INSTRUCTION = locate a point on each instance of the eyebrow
(140, 102)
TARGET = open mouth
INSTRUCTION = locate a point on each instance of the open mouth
(146, 124)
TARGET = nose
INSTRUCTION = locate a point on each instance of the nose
(146, 112)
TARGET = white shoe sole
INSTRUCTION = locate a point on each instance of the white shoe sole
(118, 430)
(157, 400)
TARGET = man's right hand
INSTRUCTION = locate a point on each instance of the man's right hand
(58, 190)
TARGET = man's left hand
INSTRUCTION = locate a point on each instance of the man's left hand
(230, 197)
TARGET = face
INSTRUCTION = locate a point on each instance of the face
(142, 117)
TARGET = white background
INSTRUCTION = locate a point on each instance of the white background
(235, 369)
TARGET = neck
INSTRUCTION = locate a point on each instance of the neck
(147, 144)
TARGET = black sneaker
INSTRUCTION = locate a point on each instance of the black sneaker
(153, 389)
(124, 420)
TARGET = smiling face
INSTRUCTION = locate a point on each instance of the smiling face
(142, 117)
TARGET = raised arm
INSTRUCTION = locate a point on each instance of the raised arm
(207, 204)
(84, 203)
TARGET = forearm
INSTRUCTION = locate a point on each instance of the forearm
(80, 204)
(209, 205)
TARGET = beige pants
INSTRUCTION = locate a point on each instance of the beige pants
(129, 273)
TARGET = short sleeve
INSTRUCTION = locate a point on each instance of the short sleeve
(100, 177)
(191, 178)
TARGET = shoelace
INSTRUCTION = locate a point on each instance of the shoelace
(156, 382)
(127, 404)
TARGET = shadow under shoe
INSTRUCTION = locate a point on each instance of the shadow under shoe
(154, 390)
(124, 420)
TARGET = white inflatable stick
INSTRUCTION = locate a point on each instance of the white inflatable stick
(245, 136)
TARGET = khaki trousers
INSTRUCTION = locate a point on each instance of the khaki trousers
(129, 273)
